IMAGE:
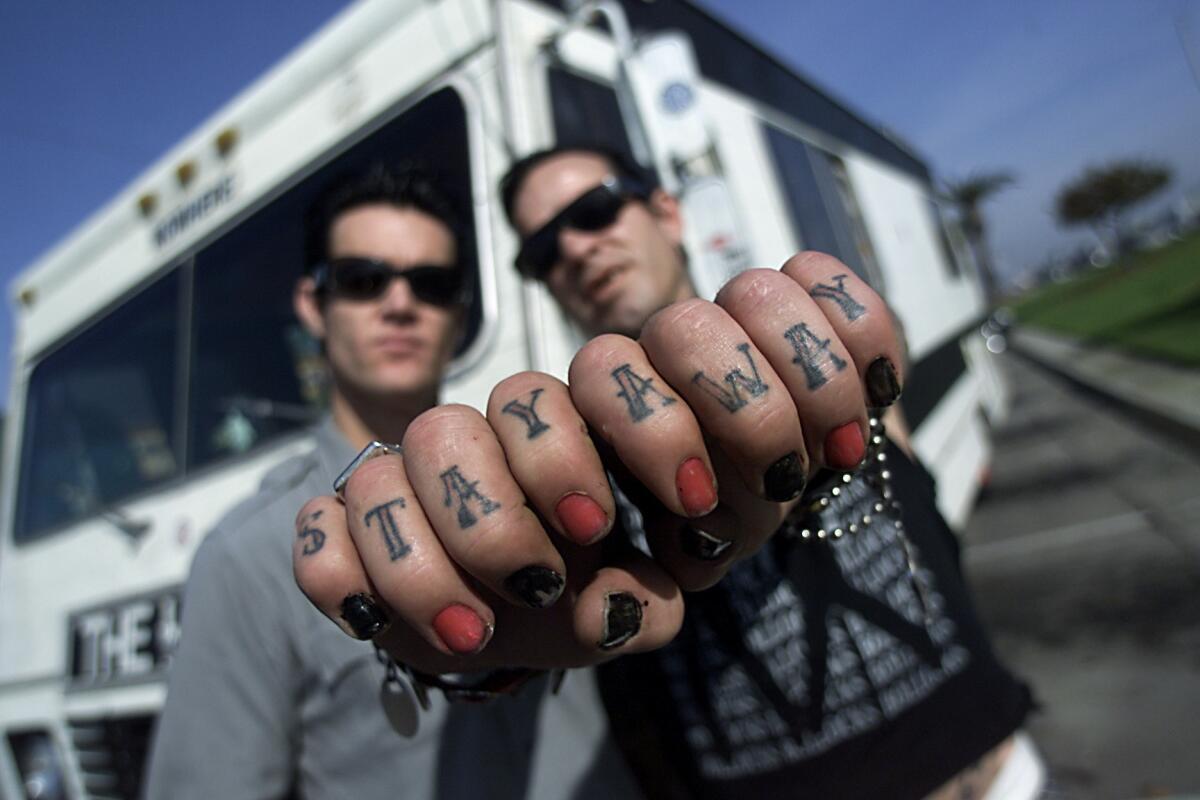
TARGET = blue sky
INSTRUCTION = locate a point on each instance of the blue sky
(91, 93)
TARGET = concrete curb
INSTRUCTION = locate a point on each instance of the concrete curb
(1160, 396)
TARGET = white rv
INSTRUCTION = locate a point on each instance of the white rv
(158, 372)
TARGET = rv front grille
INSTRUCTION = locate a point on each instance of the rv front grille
(111, 753)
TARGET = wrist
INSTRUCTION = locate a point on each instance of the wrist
(464, 687)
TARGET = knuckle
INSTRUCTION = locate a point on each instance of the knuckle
(431, 427)
(750, 289)
(372, 479)
(685, 318)
(316, 505)
(522, 382)
(518, 386)
(811, 262)
(599, 354)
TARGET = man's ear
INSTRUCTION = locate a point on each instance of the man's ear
(666, 211)
(308, 307)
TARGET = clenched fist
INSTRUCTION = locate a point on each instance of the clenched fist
(482, 544)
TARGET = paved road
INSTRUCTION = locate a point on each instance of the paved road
(1084, 552)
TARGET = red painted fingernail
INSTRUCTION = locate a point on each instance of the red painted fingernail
(581, 517)
(844, 446)
(462, 629)
(696, 487)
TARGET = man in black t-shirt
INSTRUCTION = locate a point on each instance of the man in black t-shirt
(827, 666)
(839, 656)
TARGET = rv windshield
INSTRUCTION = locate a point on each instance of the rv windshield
(99, 413)
(207, 362)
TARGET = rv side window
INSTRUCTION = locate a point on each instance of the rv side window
(99, 419)
(852, 220)
(255, 372)
(949, 253)
(822, 203)
(586, 112)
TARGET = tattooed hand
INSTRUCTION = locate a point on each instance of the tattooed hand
(740, 401)
(721, 411)
(449, 545)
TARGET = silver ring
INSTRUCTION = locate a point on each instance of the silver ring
(373, 450)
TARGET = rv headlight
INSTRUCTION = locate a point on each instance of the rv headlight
(38, 765)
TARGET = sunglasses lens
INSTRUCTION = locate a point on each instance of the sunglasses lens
(439, 286)
(358, 279)
(594, 211)
(539, 253)
(364, 279)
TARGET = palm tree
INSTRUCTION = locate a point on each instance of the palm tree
(967, 195)
(1102, 195)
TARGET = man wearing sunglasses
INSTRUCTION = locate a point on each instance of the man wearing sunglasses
(266, 699)
(832, 655)
(727, 709)
(588, 296)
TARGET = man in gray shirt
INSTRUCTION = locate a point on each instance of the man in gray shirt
(266, 698)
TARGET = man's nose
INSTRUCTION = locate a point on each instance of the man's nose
(574, 246)
(398, 296)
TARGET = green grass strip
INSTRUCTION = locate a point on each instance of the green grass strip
(1149, 304)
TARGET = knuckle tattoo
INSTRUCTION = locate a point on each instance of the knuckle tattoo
(468, 496)
(811, 350)
(383, 517)
(838, 294)
(633, 390)
(535, 426)
(732, 398)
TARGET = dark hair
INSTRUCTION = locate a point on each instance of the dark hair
(404, 185)
(621, 164)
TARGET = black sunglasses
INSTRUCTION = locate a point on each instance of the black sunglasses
(594, 210)
(368, 278)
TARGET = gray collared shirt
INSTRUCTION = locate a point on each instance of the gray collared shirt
(266, 695)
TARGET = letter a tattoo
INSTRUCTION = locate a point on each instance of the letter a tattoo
(526, 414)
(634, 389)
(736, 380)
(809, 347)
(838, 294)
(465, 490)
(396, 546)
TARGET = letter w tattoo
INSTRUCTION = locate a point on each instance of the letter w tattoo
(838, 294)
(396, 546)
(737, 381)
(466, 492)
(526, 413)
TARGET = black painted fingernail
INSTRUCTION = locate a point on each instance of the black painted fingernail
(622, 619)
(538, 587)
(364, 616)
(784, 479)
(701, 545)
(883, 388)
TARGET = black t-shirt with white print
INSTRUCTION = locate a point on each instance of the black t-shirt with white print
(822, 669)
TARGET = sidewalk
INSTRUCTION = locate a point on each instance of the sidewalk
(1083, 555)
(1168, 395)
